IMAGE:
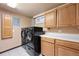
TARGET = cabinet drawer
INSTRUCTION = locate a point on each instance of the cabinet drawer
(70, 44)
(48, 39)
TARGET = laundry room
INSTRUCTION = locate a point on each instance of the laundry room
(39, 29)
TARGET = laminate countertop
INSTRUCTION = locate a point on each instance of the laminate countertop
(62, 36)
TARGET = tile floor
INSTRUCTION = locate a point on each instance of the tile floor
(20, 51)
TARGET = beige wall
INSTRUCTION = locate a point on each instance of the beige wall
(0, 26)
(39, 25)
(16, 39)
(25, 22)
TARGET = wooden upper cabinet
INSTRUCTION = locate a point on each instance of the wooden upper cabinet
(77, 14)
(50, 19)
(66, 15)
(6, 26)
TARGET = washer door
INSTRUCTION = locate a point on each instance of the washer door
(23, 37)
(29, 36)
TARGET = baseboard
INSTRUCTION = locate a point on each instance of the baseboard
(10, 49)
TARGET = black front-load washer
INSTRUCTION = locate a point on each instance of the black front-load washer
(24, 36)
(33, 39)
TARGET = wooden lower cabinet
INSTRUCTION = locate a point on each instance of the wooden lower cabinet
(47, 48)
(65, 51)
(58, 47)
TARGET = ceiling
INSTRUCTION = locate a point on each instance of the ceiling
(31, 9)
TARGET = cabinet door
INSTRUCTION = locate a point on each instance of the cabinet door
(65, 51)
(50, 19)
(66, 15)
(6, 26)
(47, 48)
(77, 12)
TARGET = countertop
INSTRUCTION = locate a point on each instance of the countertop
(62, 36)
